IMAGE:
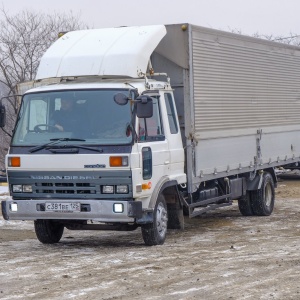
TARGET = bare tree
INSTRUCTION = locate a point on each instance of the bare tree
(291, 39)
(24, 38)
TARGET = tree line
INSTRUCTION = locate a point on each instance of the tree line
(24, 37)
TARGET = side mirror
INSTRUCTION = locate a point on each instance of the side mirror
(144, 107)
(2, 116)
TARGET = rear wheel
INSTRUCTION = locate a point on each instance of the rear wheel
(245, 205)
(155, 233)
(48, 231)
(264, 198)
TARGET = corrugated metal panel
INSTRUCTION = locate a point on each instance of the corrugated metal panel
(243, 83)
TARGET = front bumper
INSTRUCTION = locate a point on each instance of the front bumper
(95, 210)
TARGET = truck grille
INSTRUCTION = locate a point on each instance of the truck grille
(80, 185)
(66, 188)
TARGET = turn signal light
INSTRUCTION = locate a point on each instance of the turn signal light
(14, 161)
(118, 161)
(147, 186)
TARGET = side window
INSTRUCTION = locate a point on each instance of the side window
(171, 113)
(147, 163)
(37, 112)
(151, 129)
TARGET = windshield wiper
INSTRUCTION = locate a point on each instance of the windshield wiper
(49, 147)
(54, 142)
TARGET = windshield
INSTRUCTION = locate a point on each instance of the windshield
(91, 116)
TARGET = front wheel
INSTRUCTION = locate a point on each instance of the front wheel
(155, 233)
(264, 198)
(48, 231)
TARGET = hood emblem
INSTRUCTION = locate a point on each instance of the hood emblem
(95, 166)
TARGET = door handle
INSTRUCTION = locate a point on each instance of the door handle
(167, 162)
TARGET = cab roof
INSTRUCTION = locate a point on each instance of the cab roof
(123, 51)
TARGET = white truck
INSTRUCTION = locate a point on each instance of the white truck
(166, 120)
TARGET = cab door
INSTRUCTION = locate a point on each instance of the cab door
(153, 146)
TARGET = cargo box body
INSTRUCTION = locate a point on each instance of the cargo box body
(238, 100)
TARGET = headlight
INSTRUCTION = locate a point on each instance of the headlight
(27, 189)
(17, 188)
(118, 208)
(107, 189)
(14, 207)
(122, 189)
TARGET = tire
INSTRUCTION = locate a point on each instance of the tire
(48, 232)
(155, 233)
(245, 205)
(263, 199)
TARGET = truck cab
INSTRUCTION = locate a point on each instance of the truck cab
(108, 165)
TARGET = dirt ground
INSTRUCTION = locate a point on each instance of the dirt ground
(220, 255)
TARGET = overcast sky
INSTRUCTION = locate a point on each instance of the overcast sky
(278, 17)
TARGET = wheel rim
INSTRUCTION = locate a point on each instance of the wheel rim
(268, 194)
(161, 220)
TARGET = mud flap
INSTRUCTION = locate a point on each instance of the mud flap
(146, 218)
(175, 214)
(255, 184)
(135, 209)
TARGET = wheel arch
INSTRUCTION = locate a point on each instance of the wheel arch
(165, 186)
(255, 184)
(169, 190)
(273, 174)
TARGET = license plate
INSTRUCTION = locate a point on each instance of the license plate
(63, 207)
